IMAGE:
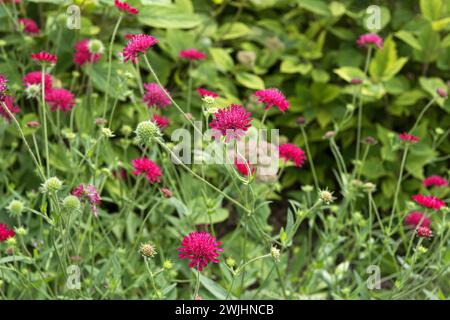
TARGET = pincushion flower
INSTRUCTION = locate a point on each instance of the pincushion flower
(5, 232)
(44, 57)
(29, 26)
(424, 232)
(200, 248)
(83, 53)
(231, 122)
(125, 7)
(192, 54)
(137, 44)
(435, 180)
(370, 39)
(8, 102)
(408, 138)
(428, 201)
(413, 219)
(291, 152)
(242, 167)
(61, 99)
(88, 193)
(34, 78)
(3, 86)
(161, 121)
(147, 167)
(272, 97)
(207, 93)
(154, 96)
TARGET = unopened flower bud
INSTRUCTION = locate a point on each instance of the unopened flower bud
(107, 133)
(96, 46)
(52, 184)
(326, 196)
(356, 80)
(146, 131)
(442, 93)
(21, 231)
(275, 253)
(166, 192)
(167, 265)
(16, 207)
(71, 204)
(230, 262)
(147, 250)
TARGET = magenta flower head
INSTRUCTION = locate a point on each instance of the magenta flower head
(435, 180)
(413, 219)
(207, 93)
(272, 97)
(5, 232)
(428, 201)
(368, 39)
(137, 44)
(8, 102)
(125, 7)
(89, 194)
(154, 96)
(161, 121)
(442, 93)
(3, 86)
(146, 166)
(44, 58)
(83, 53)
(192, 54)
(424, 232)
(231, 122)
(290, 152)
(408, 138)
(200, 248)
(61, 99)
(29, 26)
(242, 167)
(35, 78)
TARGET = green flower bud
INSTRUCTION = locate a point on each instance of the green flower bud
(21, 231)
(107, 133)
(71, 204)
(275, 253)
(167, 265)
(11, 241)
(147, 250)
(146, 131)
(307, 188)
(15, 207)
(52, 184)
(96, 46)
(230, 262)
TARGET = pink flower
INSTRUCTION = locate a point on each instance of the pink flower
(3, 86)
(435, 181)
(442, 93)
(5, 232)
(272, 97)
(204, 93)
(370, 38)
(148, 167)
(409, 138)
(424, 232)
(166, 192)
(413, 219)
(200, 248)
(44, 57)
(428, 201)
(83, 54)
(231, 122)
(8, 101)
(61, 99)
(90, 194)
(125, 7)
(291, 152)
(137, 44)
(242, 167)
(29, 26)
(33, 124)
(161, 121)
(35, 77)
(155, 96)
(192, 54)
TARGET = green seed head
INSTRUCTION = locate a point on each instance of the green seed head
(168, 264)
(275, 253)
(71, 204)
(146, 132)
(15, 207)
(96, 46)
(21, 231)
(52, 184)
(147, 250)
(230, 262)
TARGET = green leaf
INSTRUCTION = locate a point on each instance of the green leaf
(214, 288)
(220, 215)
(431, 9)
(222, 59)
(409, 38)
(232, 31)
(348, 73)
(430, 85)
(168, 16)
(316, 6)
(250, 81)
(386, 64)
(291, 65)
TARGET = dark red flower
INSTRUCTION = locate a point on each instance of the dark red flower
(291, 152)
(428, 201)
(44, 57)
(125, 7)
(83, 54)
(231, 122)
(272, 97)
(61, 99)
(148, 167)
(200, 248)
(29, 26)
(161, 121)
(242, 167)
(137, 44)
(413, 219)
(424, 232)
(90, 194)
(204, 93)
(35, 77)
(192, 54)
(5, 232)
(435, 181)
(155, 96)
(8, 101)
(409, 138)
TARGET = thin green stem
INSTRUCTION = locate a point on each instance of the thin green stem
(310, 159)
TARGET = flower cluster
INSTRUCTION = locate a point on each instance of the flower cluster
(137, 44)
(146, 166)
(88, 193)
(231, 122)
(154, 96)
(408, 138)
(5, 232)
(61, 99)
(8, 102)
(435, 180)
(272, 97)
(291, 152)
(161, 121)
(200, 248)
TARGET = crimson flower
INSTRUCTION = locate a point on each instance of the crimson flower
(61, 99)
(125, 7)
(192, 54)
(231, 122)
(29, 26)
(161, 121)
(242, 167)
(204, 93)
(83, 54)
(5, 232)
(272, 97)
(428, 201)
(90, 194)
(137, 44)
(8, 102)
(413, 219)
(35, 78)
(148, 167)
(408, 138)
(3, 86)
(424, 232)
(200, 248)
(44, 57)
(291, 152)
(370, 39)
(155, 96)
(435, 180)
